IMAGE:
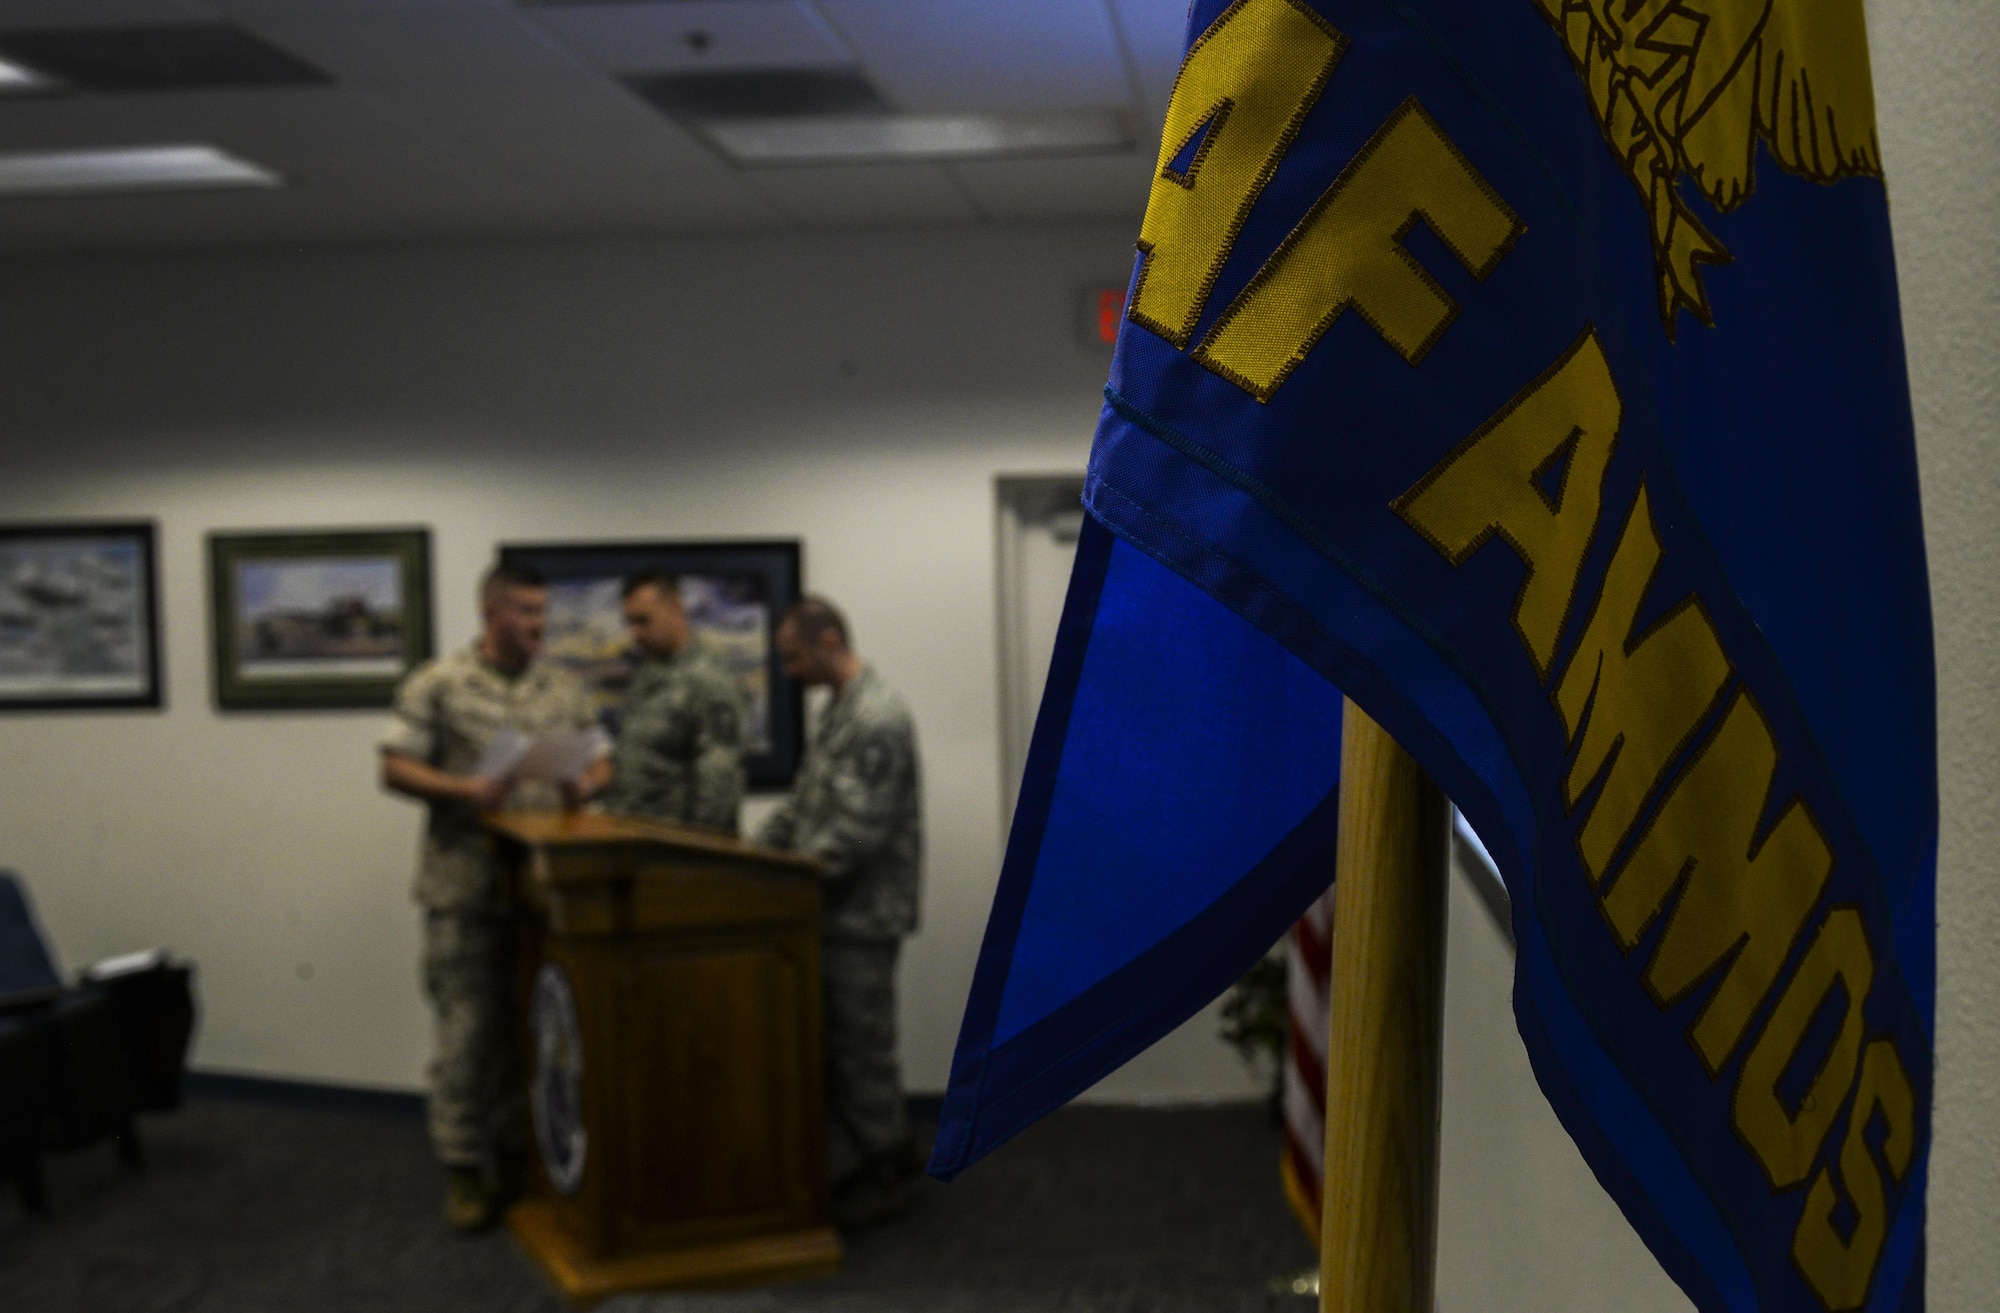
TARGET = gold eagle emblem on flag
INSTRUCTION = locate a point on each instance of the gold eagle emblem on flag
(1686, 88)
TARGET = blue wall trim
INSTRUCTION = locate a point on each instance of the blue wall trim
(398, 1103)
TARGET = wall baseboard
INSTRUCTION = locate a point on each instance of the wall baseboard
(303, 1094)
(924, 1108)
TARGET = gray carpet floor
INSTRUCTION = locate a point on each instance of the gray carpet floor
(247, 1207)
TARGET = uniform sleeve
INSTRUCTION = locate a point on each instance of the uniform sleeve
(865, 797)
(718, 760)
(412, 730)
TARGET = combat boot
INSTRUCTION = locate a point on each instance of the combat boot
(883, 1189)
(471, 1200)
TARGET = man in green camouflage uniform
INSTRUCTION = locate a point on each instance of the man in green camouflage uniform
(856, 807)
(447, 713)
(680, 743)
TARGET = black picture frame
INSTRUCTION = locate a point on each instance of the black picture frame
(587, 636)
(317, 619)
(80, 616)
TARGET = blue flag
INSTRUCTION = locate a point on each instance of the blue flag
(1530, 371)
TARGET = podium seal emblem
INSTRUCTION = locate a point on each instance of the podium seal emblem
(555, 1092)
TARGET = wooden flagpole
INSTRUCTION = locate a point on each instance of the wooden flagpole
(1378, 1214)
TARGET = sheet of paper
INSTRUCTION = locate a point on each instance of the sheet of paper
(555, 758)
(503, 755)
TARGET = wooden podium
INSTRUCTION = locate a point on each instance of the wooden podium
(671, 994)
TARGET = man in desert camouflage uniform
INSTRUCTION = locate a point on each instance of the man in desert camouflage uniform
(856, 807)
(447, 713)
(680, 744)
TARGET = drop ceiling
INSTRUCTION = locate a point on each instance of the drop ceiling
(486, 118)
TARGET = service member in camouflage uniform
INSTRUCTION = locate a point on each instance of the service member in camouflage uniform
(680, 744)
(856, 807)
(447, 712)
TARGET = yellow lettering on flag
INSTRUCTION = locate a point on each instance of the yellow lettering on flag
(1839, 1269)
(1743, 899)
(1784, 1141)
(1244, 87)
(1646, 692)
(1348, 251)
(1735, 901)
(1492, 484)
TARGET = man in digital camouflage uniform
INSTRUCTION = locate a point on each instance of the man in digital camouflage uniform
(447, 713)
(680, 743)
(856, 807)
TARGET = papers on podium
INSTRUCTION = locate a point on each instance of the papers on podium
(552, 758)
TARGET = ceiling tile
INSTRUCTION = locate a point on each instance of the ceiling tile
(1087, 186)
(17, 15)
(326, 145)
(974, 55)
(514, 96)
(1155, 33)
(348, 165)
(472, 118)
(460, 63)
(860, 194)
(687, 35)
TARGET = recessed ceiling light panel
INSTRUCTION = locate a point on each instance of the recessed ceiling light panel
(185, 57)
(16, 78)
(862, 138)
(130, 168)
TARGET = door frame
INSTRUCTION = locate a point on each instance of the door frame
(1020, 502)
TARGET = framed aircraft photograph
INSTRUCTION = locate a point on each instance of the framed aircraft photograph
(734, 592)
(79, 616)
(317, 619)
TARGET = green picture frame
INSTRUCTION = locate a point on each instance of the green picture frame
(317, 619)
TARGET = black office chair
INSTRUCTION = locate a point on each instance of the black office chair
(27, 1085)
(29, 989)
(27, 973)
(78, 1065)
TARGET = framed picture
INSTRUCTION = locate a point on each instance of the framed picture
(318, 619)
(735, 594)
(79, 616)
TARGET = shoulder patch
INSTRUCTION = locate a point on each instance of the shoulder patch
(875, 761)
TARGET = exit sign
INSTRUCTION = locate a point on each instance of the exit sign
(1103, 312)
(1110, 314)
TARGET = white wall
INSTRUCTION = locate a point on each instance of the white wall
(699, 389)
(1938, 94)
(1523, 1226)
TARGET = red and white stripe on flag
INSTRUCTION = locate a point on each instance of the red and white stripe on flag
(1308, 966)
(1308, 969)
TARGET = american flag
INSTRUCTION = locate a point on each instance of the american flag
(1308, 966)
(1308, 963)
